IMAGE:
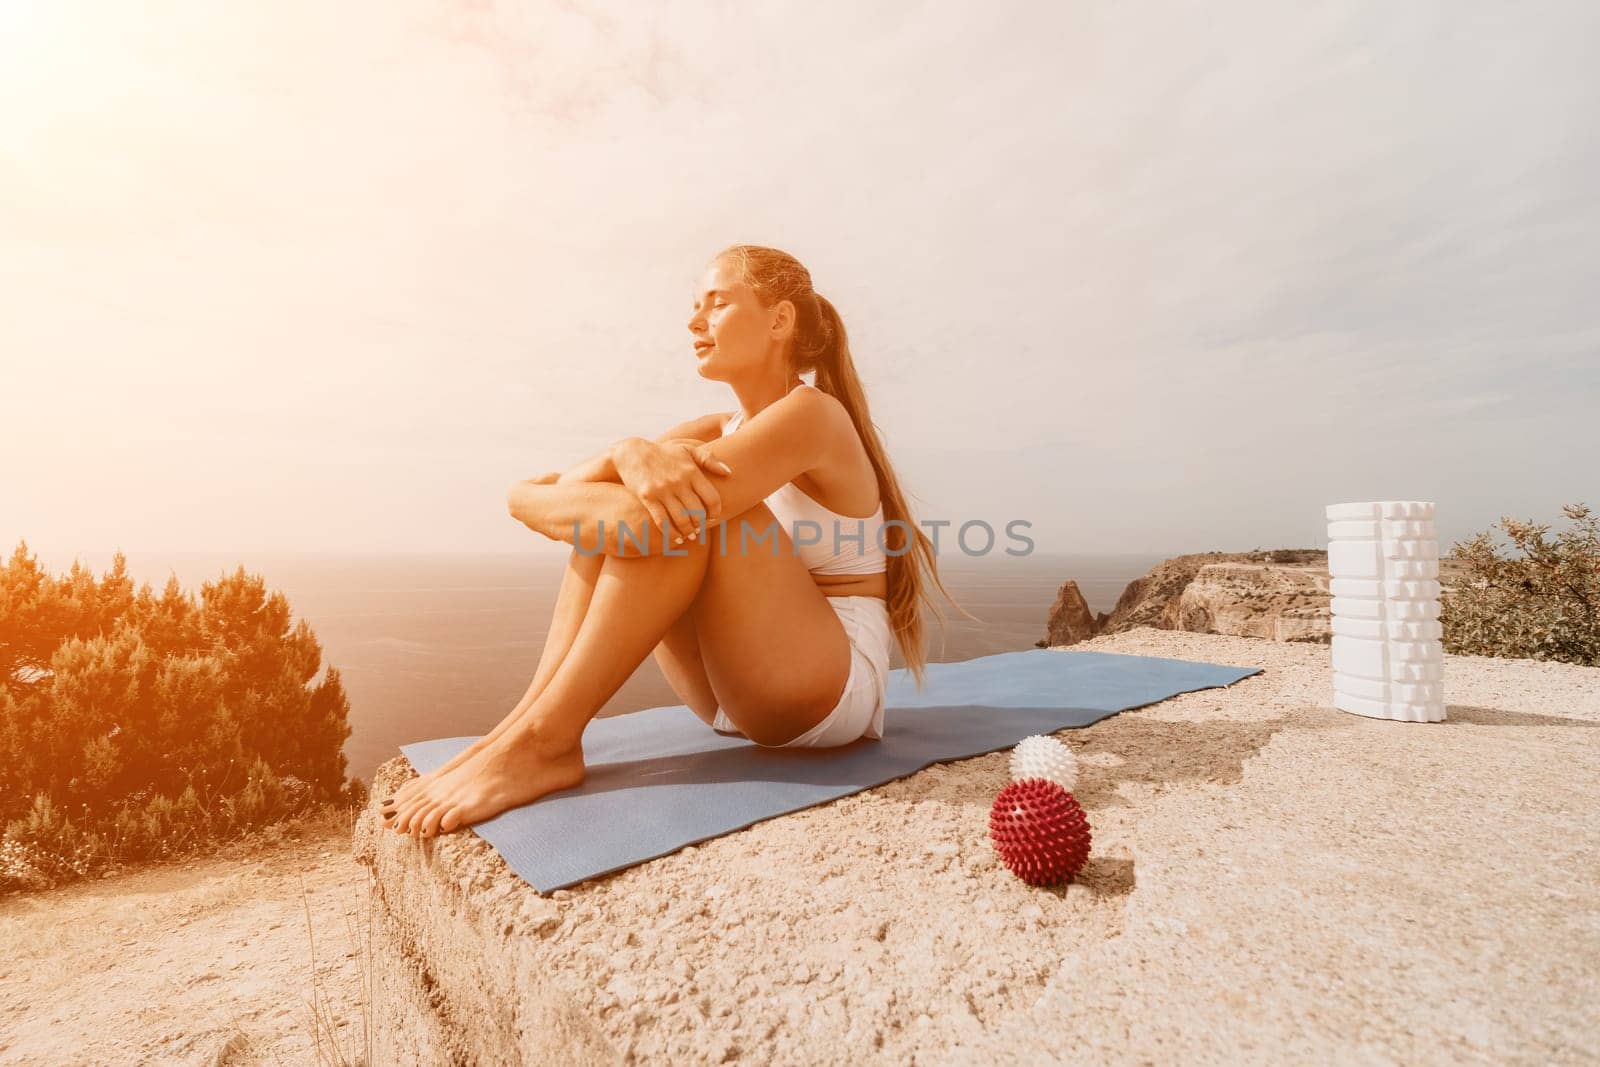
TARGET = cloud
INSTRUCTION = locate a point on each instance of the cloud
(1107, 264)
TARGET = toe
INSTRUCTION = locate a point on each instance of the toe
(414, 821)
(430, 820)
(402, 818)
(450, 819)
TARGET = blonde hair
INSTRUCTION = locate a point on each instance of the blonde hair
(821, 345)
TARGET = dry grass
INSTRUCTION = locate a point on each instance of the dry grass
(334, 1047)
(201, 961)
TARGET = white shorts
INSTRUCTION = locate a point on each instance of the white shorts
(859, 712)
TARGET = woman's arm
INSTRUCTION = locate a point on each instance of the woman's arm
(792, 435)
(788, 438)
(603, 467)
(580, 513)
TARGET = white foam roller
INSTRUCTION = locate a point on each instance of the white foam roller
(1415, 630)
(1387, 629)
(1416, 672)
(1354, 529)
(1413, 568)
(1411, 550)
(1408, 590)
(1395, 529)
(1374, 608)
(1357, 686)
(1355, 559)
(1351, 664)
(1380, 509)
(1430, 711)
(1405, 509)
(1415, 652)
(1366, 658)
(1372, 629)
(1378, 689)
(1356, 587)
(1383, 569)
(1349, 607)
(1360, 657)
(1417, 692)
(1341, 512)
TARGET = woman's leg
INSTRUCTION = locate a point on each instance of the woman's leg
(781, 662)
(539, 751)
(572, 603)
(679, 660)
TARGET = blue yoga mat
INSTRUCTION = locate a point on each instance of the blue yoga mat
(662, 779)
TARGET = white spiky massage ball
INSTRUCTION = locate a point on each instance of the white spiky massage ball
(1044, 757)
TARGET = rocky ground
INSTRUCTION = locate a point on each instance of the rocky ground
(208, 962)
(1271, 879)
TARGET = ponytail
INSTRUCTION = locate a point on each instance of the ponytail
(821, 345)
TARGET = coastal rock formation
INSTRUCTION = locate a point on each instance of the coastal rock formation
(1276, 601)
(1280, 595)
(1070, 619)
(1157, 599)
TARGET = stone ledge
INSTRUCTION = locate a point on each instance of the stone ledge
(880, 928)
(455, 980)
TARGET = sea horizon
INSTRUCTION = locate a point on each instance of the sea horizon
(443, 644)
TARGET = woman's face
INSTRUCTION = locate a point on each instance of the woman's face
(733, 334)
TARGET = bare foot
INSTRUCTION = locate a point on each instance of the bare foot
(501, 777)
(414, 787)
(404, 814)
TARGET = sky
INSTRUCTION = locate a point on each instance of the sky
(1159, 278)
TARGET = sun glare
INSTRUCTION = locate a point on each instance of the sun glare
(45, 66)
(30, 30)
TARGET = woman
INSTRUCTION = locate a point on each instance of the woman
(763, 623)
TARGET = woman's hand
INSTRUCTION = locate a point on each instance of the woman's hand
(670, 480)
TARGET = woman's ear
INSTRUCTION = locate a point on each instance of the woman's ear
(784, 324)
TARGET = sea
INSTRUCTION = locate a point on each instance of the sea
(444, 645)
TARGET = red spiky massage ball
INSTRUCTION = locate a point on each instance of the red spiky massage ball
(1040, 831)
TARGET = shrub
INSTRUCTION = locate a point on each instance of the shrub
(135, 726)
(1544, 605)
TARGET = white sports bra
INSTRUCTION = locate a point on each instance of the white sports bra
(827, 542)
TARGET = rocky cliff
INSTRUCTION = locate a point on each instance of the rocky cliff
(881, 928)
(1281, 595)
